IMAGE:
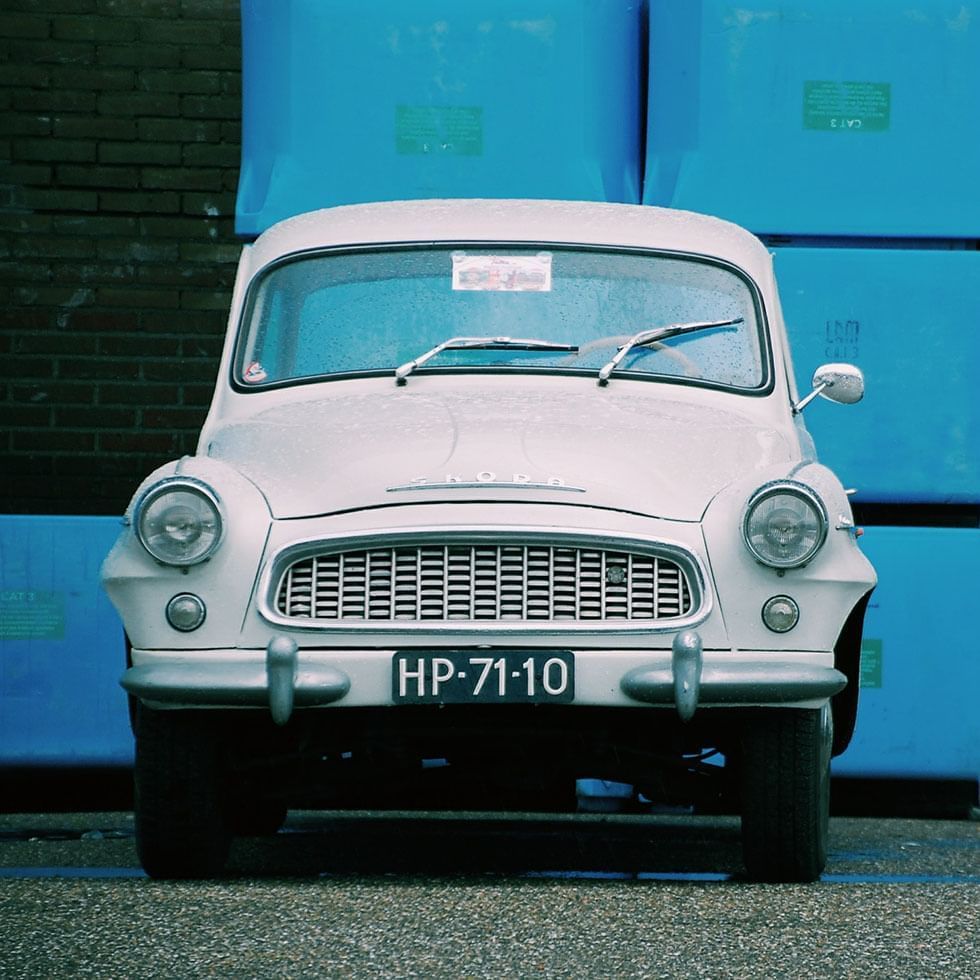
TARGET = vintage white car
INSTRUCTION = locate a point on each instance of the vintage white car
(515, 490)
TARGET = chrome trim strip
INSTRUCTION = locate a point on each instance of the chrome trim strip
(274, 567)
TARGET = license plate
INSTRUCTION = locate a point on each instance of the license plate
(499, 676)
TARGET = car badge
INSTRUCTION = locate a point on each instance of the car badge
(487, 478)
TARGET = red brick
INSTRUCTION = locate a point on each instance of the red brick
(218, 252)
(138, 55)
(93, 273)
(181, 81)
(191, 32)
(25, 173)
(227, 57)
(161, 299)
(182, 178)
(53, 296)
(97, 225)
(184, 371)
(98, 369)
(139, 442)
(55, 342)
(137, 395)
(173, 419)
(99, 321)
(27, 416)
(94, 127)
(27, 76)
(50, 247)
(205, 299)
(139, 345)
(138, 251)
(211, 106)
(186, 322)
(148, 8)
(97, 79)
(52, 440)
(116, 178)
(55, 150)
(35, 100)
(179, 130)
(24, 124)
(180, 274)
(96, 417)
(139, 104)
(94, 28)
(198, 394)
(24, 25)
(53, 393)
(48, 52)
(59, 200)
(140, 152)
(143, 202)
(212, 154)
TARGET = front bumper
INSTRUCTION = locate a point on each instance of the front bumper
(284, 677)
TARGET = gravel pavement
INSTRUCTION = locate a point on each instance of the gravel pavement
(544, 898)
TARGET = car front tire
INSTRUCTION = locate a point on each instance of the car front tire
(785, 790)
(180, 825)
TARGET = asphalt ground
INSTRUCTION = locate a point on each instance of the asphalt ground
(480, 895)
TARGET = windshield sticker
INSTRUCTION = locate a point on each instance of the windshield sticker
(254, 373)
(502, 273)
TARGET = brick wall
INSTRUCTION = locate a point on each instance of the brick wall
(119, 149)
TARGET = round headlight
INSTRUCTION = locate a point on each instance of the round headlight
(178, 522)
(785, 525)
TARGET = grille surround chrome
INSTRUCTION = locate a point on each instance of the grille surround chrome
(486, 538)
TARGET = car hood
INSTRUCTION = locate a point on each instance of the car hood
(651, 454)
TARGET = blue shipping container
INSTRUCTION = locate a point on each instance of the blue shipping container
(907, 318)
(346, 101)
(62, 649)
(920, 675)
(820, 117)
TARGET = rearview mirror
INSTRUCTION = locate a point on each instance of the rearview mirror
(842, 383)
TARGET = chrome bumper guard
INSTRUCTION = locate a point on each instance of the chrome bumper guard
(687, 682)
(280, 685)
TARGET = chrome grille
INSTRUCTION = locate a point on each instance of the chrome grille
(474, 582)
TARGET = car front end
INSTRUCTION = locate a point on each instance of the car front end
(519, 487)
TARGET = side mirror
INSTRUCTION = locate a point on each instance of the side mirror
(842, 383)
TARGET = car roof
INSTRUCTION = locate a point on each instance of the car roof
(558, 222)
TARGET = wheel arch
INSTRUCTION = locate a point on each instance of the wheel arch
(847, 659)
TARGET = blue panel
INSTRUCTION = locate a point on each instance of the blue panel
(824, 117)
(62, 649)
(347, 101)
(918, 714)
(908, 319)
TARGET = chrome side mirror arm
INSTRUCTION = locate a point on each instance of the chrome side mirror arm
(841, 383)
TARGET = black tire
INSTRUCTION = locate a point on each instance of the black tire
(180, 826)
(785, 791)
(251, 817)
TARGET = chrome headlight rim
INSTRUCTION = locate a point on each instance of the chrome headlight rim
(168, 485)
(793, 488)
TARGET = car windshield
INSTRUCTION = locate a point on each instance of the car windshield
(350, 312)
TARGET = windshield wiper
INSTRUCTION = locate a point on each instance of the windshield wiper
(655, 334)
(479, 343)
